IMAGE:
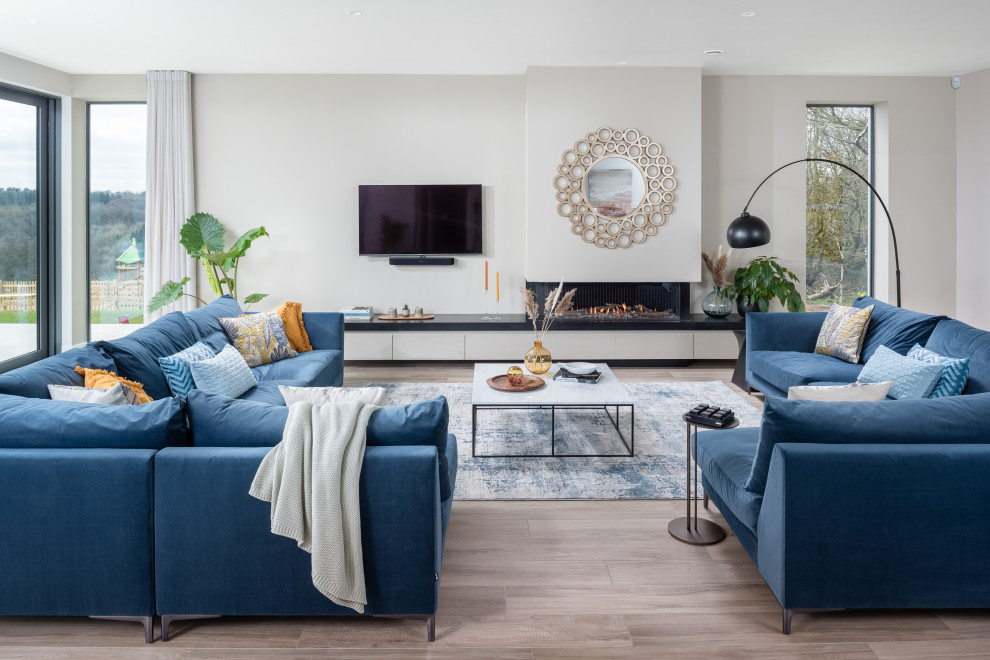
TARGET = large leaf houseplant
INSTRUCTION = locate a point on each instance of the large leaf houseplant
(761, 281)
(202, 236)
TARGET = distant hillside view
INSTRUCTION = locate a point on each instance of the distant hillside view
(116, 278)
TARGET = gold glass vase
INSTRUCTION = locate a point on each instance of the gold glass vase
(537, 359)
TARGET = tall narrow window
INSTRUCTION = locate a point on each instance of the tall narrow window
(116, 217)
(839, 210)
(28, 144)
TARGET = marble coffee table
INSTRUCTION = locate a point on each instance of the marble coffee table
(608, 395)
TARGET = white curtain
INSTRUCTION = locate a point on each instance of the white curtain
(171, 194)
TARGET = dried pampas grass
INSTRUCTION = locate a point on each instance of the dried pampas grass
(554, 307)
(717, 265)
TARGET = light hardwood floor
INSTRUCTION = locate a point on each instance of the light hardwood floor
(549, 580)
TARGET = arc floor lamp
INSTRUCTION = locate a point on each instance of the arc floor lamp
(748, 231)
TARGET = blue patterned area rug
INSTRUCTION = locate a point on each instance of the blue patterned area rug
(657, 471)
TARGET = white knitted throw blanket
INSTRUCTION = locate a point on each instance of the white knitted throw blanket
(319, 460)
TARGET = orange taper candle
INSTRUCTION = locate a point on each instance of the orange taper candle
(486, 274)
(496, 286)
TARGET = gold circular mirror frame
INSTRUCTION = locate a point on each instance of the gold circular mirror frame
(643, 218)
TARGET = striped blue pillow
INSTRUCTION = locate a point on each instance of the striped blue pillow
(176, 367)
(955, 371)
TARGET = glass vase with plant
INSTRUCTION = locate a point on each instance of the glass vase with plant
(762, 280)
(538, 359)
(716, 303)
(202, 236)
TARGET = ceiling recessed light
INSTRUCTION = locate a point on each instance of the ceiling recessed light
(30, 20)
(355, 13)
(714, 51)
(621, 62)
(748, 14)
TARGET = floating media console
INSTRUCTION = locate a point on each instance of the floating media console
(421, 261)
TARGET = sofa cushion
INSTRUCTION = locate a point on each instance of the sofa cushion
(955, 371)
(787, 369)
(268, 392)
(894, 327)
(176, 367)
(136, 355)
(43, 423)
(33, 380)
(957, 339)
(726, 458)
(316, 368)
(912, 379)
(219, 421)
(226, 374)
(260, 338)
(949, 420)
(205, 321)
(842, 332)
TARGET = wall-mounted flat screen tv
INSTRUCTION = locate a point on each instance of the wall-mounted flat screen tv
(424, 219)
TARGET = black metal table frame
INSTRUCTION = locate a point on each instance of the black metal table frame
(554, 407)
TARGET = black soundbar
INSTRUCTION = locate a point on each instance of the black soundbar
(420, 261)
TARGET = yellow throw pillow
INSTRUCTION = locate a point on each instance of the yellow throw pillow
(104, 380)
(291, 313)
(843, 332)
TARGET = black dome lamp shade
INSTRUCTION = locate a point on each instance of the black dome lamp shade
(748, 231)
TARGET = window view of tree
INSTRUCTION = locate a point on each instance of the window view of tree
(838, 205)
(116, 217)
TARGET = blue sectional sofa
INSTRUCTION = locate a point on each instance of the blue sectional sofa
(859, 505)
(132, 511)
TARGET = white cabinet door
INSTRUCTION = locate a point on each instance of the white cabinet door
(482, 346)
(428, 346)
(578, 345)
(367, 345)
(715, 345)
(656, 345)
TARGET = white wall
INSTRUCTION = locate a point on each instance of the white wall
(754, 124)
(289, 151)
(973, 212)
(563, 105)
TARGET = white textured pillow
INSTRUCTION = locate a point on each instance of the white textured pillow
(115, 396)
(318, 395)
(851, 392)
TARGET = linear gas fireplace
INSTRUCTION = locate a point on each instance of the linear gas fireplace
(621, 301)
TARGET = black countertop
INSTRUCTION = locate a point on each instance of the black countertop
(519, 322)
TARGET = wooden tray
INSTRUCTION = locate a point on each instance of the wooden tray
(501, 383)
(411, 317)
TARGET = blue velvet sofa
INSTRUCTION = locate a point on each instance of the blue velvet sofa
(859, 505)
(132, 511)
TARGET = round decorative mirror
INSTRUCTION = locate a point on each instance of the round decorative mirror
(615, 186)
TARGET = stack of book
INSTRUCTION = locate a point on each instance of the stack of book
(566, 376)
(358, 313)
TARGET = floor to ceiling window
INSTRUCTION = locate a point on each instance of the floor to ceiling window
(28, 148)
(116, 169)
(839, 205)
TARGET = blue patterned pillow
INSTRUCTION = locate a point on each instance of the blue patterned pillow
(226, 374)
(176, 367)
(912, 378)
(955, 371)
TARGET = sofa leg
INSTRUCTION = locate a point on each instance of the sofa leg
(788, 615)
(706, 501)
(147, 621)
(428, 619)
(167, 620)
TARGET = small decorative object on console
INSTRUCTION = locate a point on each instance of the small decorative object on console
(405, 310)
(515, 375)
(705, 415)
(717, 303)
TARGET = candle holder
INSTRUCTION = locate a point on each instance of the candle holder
(496, 317)
(486, 317)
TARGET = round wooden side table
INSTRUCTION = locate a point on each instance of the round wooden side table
(691, 529)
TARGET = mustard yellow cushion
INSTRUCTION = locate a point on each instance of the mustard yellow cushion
(291, 313)
(104, 380)
(843, 332)
(259, 338)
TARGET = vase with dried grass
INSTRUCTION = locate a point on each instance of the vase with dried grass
(716, 303)
(537, 359)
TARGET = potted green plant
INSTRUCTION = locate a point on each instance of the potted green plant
(760, 281)
(202, 236)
